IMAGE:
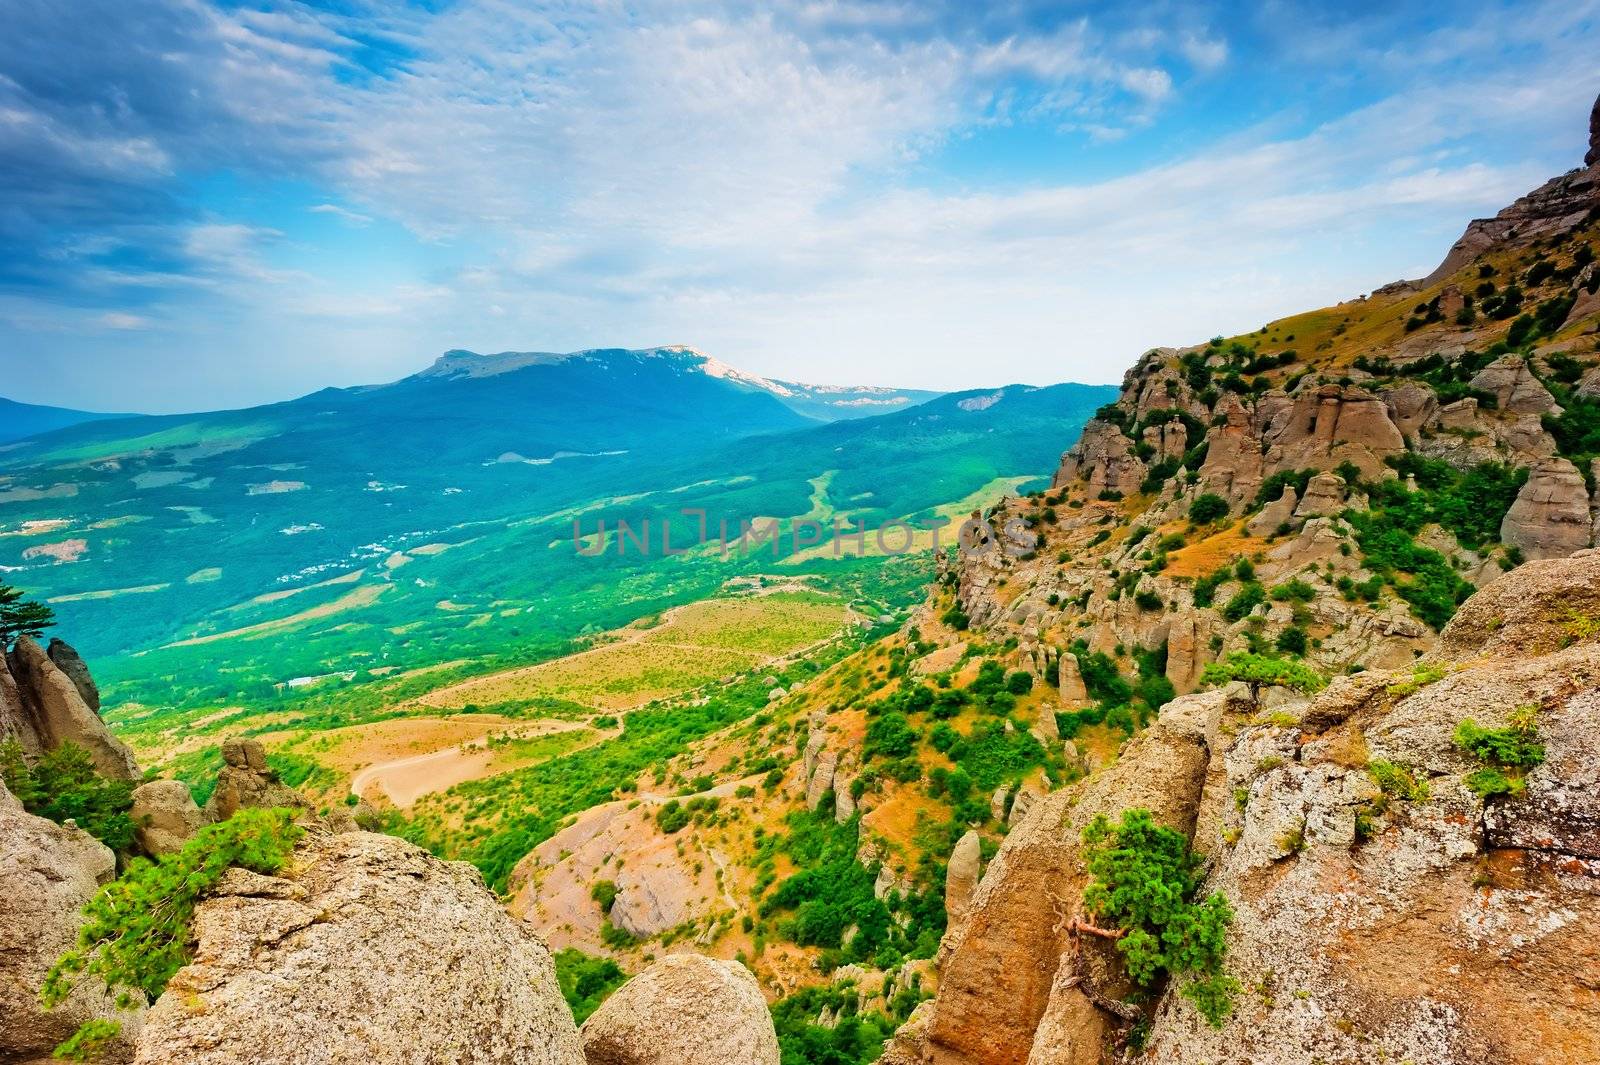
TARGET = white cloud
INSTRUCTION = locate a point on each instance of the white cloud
(119, 320)
(355, 218)
(1206, 53)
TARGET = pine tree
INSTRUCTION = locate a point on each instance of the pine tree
(21, 617)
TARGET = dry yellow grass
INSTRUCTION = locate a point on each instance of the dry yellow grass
(693, 644)
(1211, 554)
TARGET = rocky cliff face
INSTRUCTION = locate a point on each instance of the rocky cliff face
(1374, 921)
(47, 872)
(44, 705)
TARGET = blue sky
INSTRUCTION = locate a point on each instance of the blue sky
(217, 204)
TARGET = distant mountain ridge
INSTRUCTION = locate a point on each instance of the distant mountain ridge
(21, 420)
(822, 402)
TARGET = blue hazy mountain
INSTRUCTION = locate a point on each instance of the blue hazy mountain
(20, 420)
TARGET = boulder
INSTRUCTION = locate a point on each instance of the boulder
(165, 816)
(1550, 518)
(684, 1010)
(71, 663)
(59, 714)
(366, 949)
(961, 875)
(47, 873)
(1411, 405)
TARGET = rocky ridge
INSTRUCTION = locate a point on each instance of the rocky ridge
(1373, 921)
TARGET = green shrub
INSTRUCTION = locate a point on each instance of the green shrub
(1146, 599)
(889, 736)
(135, 933)
(1145, 880)
(1397, 781)
(672, 817)
(1244, 601)
(605, 893)
(1019, 682)
(64, 785)
(1292, 641)
(1508, 753)
(1297, 591)
(586, 981)
(1263, 669)
(1207, 509)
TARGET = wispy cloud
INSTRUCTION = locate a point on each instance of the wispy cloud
(811, 189)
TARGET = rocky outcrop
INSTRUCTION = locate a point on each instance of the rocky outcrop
(15, 722)
(72, 664)
(1070, 682)
(1411, 406)
(1275, 514)
(1330, 425)
(1558, 206)
(366, 949)
(55, 712)
(1515, 388)
(999, 965)
(47, 873)
(1550, 518)
(1104, 458)
(961, 875)
(683, 1010)
(1447, 928)
(247, 780)
(165, 816)
(1325, 495)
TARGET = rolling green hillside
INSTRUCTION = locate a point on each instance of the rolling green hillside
(292, 552)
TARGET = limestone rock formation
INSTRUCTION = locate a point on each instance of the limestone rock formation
(164, 816)
(247, 780)
(684, 1010)
(1554, 207)
(1070, 682)
(47, 873)
(77, 671)
(1515, 388)
(15, 723)
(1274, 514)
(999, 965)
(1448, 928)
(1550, 518)
(55, 712)
(1325, 494)
(961, 875)
(1104, 458)
(366, 949)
